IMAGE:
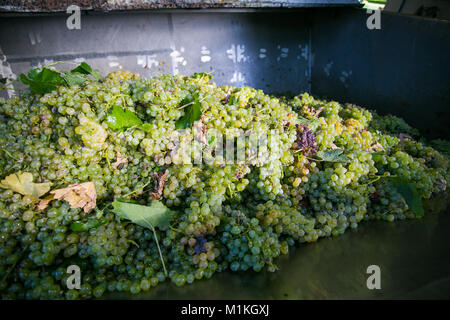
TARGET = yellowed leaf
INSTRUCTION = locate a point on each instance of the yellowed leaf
(119, 161)
(79, 195)
(23, 184)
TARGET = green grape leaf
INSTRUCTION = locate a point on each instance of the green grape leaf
(313, 124)
(84, 68)
(199, 75)
(34, 72)
(409, 192)
(378, 153)
(334, 155)
(155, 215)
(24, 79)
(91, 223)
(377, 156)
(120, 119)
(74, 78)
(95, 73)
(192, 113)
(146, 127)
(43, 81)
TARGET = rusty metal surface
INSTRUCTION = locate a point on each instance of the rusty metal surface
(112, 5)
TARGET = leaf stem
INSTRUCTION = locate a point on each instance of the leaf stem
(159, 250)
(150, 226)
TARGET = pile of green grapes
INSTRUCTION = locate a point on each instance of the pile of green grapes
(336, 166)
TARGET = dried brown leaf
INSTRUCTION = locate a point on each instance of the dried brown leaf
(43, 204)
(227, 96)
(317, 112)
(119, 161)
(160, 181)
(79, 195)
(200, 132)
(204, 118)
(376, 147)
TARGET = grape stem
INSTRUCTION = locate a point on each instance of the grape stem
(133, 242)
(174, 229)
(9, 154)
(372, 181)
(136, 190)
(377, 178)
(8, 84)
(109, 163)
(14, 265)
(185, 105)
(192, 102)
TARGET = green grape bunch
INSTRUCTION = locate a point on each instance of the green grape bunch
(100, 172)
